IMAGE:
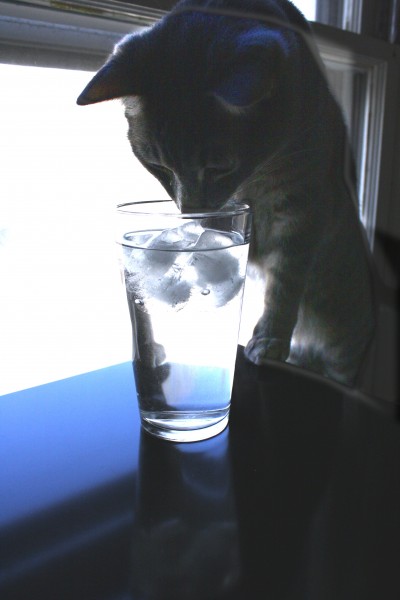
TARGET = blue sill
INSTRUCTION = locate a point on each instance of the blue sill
(65, 438)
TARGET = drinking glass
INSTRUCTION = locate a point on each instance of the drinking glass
(184, 277)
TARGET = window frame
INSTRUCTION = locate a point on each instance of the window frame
(381, 61)
(377, 18)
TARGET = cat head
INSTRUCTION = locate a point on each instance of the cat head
(205, 99)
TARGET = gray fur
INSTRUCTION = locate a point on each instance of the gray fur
(221, 107)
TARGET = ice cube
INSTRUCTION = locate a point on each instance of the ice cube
(219, 273)
(184, 237)
(212, 240)
(139, 260)
(216, 264)
(146, 260)
(176, 285)
(140, 239)
(217, 268)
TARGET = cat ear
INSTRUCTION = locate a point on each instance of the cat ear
(256, 70)
(117, 78)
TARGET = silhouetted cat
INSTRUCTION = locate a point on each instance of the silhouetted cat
(226, 99)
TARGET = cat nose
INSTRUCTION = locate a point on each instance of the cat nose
(192, 197)
(187, 196)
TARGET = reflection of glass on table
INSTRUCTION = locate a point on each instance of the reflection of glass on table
(187, 546)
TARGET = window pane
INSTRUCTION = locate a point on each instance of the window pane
(344, 14)
(64, 168)
(350, 86)
(359, 84)
(307, 7)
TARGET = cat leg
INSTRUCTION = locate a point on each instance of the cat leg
(268, 342)
(146, 349)
(272, 335)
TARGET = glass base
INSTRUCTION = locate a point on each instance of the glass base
(177, 426)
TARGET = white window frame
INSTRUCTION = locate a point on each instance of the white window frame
(380, 61)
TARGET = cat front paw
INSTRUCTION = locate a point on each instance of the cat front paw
(260, 349)
(152, 354)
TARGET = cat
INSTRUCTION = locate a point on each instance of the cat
(227, 100)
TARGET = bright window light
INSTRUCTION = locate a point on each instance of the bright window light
(64, 168)
(307, 7)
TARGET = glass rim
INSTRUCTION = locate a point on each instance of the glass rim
(231, 210)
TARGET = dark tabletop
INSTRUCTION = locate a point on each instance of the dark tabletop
(299, 498)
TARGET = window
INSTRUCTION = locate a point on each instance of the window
(363, 76)
(62, 310)
(308, 8)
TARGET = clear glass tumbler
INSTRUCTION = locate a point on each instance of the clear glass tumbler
(184, 278)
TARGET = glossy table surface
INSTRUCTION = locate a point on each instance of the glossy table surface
(299, 498)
